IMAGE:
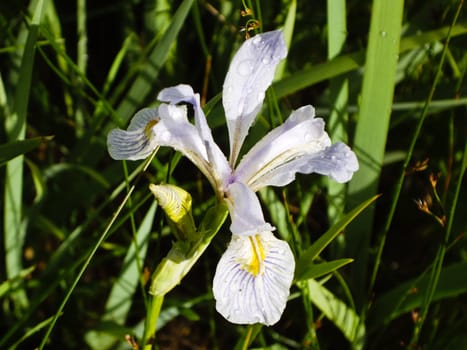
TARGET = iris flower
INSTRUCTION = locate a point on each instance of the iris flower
(254, 275)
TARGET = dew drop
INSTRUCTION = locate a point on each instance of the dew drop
(266, 60)
(383, 33)
(257, 41)
(245, 67)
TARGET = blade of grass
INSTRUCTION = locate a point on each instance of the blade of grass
(90, 257)
(411, 295)
(434, 279)
(119, 301)
(82, 57)
(338, 118)
(372, 129)
(347, 63)
(314, 270)
(398, 187)
(287, 30)
(14, 224)
(338, 312)
(13, 149)
(318, 246)
(142, 85)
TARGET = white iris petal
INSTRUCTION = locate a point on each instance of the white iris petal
(300, 145)
(250, 74)
(185, 93)
(253, 279)
(245, 210)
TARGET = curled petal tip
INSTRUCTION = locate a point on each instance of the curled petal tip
(137, 142)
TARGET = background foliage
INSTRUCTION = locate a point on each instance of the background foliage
(386, 75)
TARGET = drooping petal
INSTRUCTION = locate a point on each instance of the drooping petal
(250, 74)
(185, 93)
(138, 141)
(276, 158)
(337, 161)
(245, 210)
(253, 279)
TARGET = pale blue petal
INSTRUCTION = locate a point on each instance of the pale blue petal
(250, 74)
(337, 161)
(275, 159)
(143, 118)
(245, 210)
(138, 141)
(185, 93)
(253, 278)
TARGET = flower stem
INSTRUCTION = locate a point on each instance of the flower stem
(154, 310)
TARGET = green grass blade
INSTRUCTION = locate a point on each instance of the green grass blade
(14, 225)
(317, 270)
(142, 86)
(338, 102)
(338, 313)
(10, 285)
(120, 298)
(13, 149)
(347, 63)
(410, 295)
(287, 30)
(318, 246)
(372, 128)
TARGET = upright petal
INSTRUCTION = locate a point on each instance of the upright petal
(245, 210)
(276, 158)
(174, 130)
(185, 93)
(138, 141)
(253, 279)
(250, 74)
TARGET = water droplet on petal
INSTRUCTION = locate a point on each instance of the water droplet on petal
(245, 67)
(266, 60)
(257, 40)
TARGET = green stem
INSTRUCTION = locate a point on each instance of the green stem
(154, 310)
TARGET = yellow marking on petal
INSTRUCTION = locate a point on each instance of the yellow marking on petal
(256, 264)
(149, 125)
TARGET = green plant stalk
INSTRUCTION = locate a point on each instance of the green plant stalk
(439, 259)
(176, 265)
(91, 256)
(372, 130)
(82, 57)
(383, 235)
(154, 309)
